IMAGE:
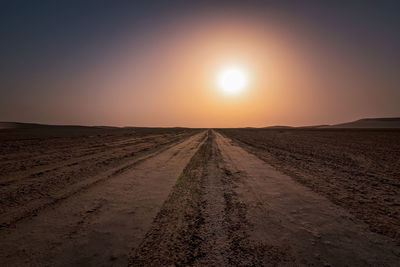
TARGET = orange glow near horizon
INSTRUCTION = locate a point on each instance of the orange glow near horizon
(186, 92)
(168, 78)
(178, 87)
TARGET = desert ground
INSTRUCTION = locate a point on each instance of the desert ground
(100, 196)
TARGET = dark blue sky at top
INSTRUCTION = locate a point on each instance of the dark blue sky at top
(34, 32)
(41, 36)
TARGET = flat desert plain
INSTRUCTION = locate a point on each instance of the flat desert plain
(97, 196)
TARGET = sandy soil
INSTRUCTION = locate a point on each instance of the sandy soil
(42, 166)
(356, 169)
(289, 217)
(231, 208)
(189, 197)
(99, 220)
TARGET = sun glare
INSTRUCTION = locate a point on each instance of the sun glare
(232, 79)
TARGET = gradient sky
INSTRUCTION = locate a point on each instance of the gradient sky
(154, 63)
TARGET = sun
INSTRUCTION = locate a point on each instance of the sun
(232, 79)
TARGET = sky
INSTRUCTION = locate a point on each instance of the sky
(157, 63)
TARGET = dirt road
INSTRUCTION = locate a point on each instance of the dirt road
(99, 226)
(199, 200)
(40, 167)
(289, 217)
(231, 208)
(357, 169)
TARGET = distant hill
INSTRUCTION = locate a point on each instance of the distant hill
(362, 123)
(369, 123)
(21, 125)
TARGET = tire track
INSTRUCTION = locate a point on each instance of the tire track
(203, 222)
(29, 199)
(229, 208)
(104, 221)
(290, 218)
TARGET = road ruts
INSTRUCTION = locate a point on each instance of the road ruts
(203, 202)
(24, 194)
(230, 208)
(100, 225)
(290, 217)
(203, 222)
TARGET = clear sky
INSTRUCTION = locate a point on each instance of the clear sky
(157, 63)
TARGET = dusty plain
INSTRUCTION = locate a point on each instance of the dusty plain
(358, 169)
(98, 196)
